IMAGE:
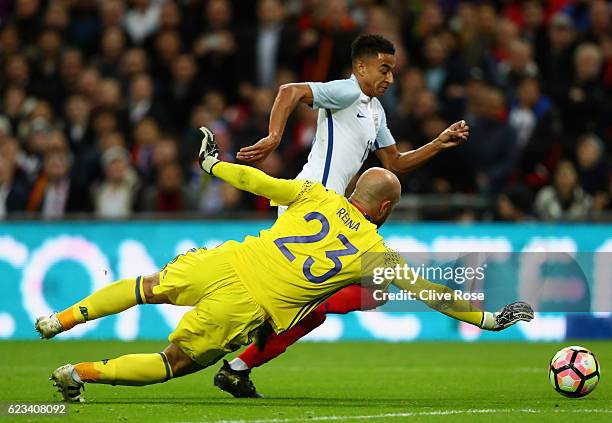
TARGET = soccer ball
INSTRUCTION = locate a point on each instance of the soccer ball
(574, 372)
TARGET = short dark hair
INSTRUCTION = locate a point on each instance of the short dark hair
(370, 45)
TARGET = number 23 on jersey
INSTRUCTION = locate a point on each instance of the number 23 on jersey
(333, 255)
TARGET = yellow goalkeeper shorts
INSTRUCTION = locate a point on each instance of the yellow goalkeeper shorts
(224, 314)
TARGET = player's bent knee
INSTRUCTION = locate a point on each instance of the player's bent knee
(150, 282)
(180, 363)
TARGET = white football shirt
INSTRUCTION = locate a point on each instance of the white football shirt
(350, 125)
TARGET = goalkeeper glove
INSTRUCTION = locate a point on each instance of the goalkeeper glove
(209, 151)
(507, 316)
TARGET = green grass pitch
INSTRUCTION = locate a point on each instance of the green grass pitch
(324, 382)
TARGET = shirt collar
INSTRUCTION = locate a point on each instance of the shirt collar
(361, 210)
(364, 98)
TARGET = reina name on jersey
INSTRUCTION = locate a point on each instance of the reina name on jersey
(343, 214)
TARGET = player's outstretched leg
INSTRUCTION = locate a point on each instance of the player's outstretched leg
(130, 370)
(234, 377)
(111, 299)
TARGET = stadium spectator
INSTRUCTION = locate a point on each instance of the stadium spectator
(171, 19)
(146, 134)
(55, 193)
(584, 104)
(268, 46)
(600, 25)
(46, 69)
(442, 75)
(165, 151)
(170, 194)
(464, 25)
(514, 204)
(77, 123)
(104, 122)
(492, 148)
(109, 96)
(9, 40)
(519, 64)
(17, 73)
(114, 197)
(535, 123)
(216, 47)
(447, 173)
(27, 20)
(89, 83)
(417, 108)
(556, 60)
(565, 199)
(134, 62)
(142, 102)
(112, 13)
(327, 33)
(112, 47)
(183, 91)
(14, 188)
(166, 49)
(506, 35)
(71, 67)
(14, 106)
(56, 17)
(533, 28)
(593, 172)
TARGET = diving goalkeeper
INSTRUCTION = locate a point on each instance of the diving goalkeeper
(314, 249)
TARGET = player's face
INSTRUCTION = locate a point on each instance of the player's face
(376, 74)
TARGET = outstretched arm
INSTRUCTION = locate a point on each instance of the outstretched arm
(398, 162)
(464, 310)
(333, 95)
(246, 178)
(458, 309)
(287, 99)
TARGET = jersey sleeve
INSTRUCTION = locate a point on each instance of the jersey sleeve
(334, 95)
(281, 191)
(378, 258)
(401, 275)
(383, 137)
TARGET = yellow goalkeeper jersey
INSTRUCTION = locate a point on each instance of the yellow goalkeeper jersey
(314, 249)
(318, 246)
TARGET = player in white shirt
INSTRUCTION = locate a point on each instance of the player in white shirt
(351, 123)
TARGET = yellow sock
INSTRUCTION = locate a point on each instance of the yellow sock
(111, 299)
(132, 370)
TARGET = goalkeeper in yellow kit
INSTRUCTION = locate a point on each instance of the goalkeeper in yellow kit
(314, 249)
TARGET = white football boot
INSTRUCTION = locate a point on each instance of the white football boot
(48, 327)
(70, 389)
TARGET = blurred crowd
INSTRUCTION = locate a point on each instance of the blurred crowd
(100, 101)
